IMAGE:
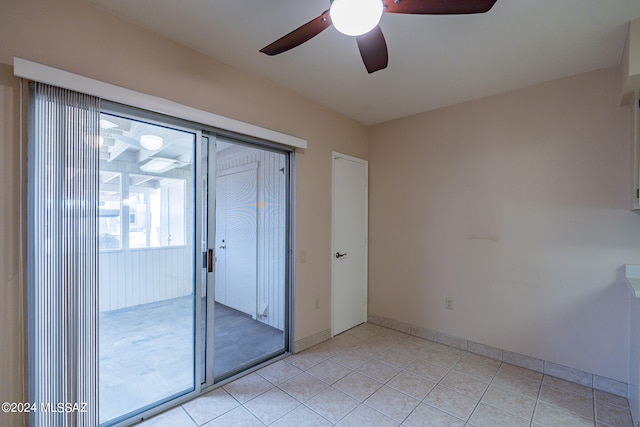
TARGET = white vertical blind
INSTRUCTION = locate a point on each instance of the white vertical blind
(62, 258)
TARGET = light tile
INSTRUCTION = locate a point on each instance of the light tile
(478, 366)
(361, 333)
(396, 358)
(303, 387)
(523, 361)
(550, 416)
(279, 372)
(410, 348)
(613, 415)
(423, 341)
(175, 417)
(238, 417)
(452, 341)
(490, 416)
(428, 370)
(448, 349)
(307, 359)
(311, 341)
(569, 374)
(271, 405)
(452, 402)
(351, 359)
(329, 371)
(523, 385)
(428, 416)
(465, 384)
(300, 417)
(392, 403)
(484, 350)
(209, 406)
(396, 325)
(611, 399)
(412, 385)
(561, 398)
(248, 387)
(358, 386)
(424, 333)
(343, 341)
(370, 348)
(510, 401)
(379, 370)
(610, 386)
(331, 347)
(521, 372)
(332, 404)
(567, 386)
(364, 415)
(446, 359)
(328, 383)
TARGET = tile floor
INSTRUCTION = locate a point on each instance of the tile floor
(371, 376)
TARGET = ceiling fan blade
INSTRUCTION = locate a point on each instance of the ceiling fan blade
(373, 49)
(299, 35)
(438, 7)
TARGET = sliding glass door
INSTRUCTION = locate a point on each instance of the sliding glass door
(250, 242)
(193, 260)
(147, 265)
(159, 257)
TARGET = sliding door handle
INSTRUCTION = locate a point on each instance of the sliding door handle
(210, 261)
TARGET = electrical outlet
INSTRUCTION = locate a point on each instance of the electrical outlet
(448, 303)
(303, 257)
(316, 303)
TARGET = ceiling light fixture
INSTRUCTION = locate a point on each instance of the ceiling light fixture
(159, 165)
(355, 17)
(151, 142)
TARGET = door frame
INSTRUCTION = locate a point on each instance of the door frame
(335, 156)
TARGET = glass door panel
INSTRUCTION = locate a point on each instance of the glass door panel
(146, 266)
(251, 205)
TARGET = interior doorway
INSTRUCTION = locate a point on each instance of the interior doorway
(349, 242)
(237, 238)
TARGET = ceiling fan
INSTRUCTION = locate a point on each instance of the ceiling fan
(360, 18)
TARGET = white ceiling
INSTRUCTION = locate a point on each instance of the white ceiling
(434, 61)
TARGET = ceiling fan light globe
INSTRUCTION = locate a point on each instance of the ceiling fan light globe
(355, 17)
(151, 142)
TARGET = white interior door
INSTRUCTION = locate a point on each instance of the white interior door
(236, 238)
(350, 212)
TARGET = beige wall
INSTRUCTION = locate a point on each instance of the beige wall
(516, 207)
(75, 36)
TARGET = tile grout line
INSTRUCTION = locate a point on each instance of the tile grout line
(593, 396)
(485, 392)
(535, 408)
